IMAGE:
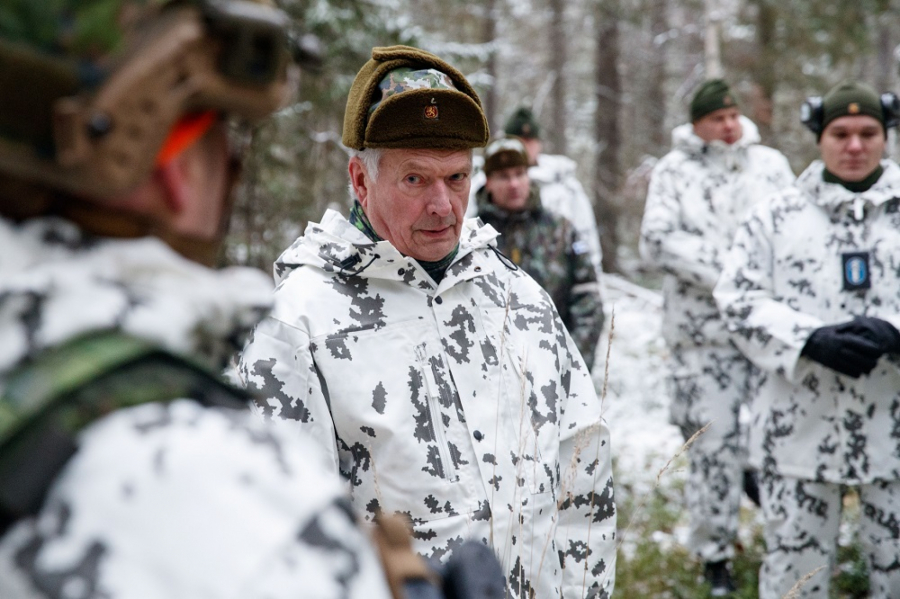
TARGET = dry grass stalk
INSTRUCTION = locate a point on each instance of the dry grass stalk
(795, 590)
(642, 504)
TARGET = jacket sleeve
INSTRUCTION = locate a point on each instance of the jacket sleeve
(586, 530)
(584, 308)
(665, 243)
(277, 366)
(768, 331)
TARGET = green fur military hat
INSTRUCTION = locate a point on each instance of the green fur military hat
(506, 152)
(713, 95)
(522, 123)
(408, 98)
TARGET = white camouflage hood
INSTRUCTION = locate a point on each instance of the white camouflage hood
(335, 245)
(684, 139)
(57, 283)
(834, 195)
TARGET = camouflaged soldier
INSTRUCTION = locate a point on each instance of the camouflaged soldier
(811, 291)
(438, 375)
(561, 192)
(698, 192)
(114, 151)
(544, 245)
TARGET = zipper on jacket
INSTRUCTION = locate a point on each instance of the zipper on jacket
(448, 470)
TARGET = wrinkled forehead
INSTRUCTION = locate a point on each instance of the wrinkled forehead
(428, 158)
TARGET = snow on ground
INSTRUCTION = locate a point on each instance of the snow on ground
(636, 401)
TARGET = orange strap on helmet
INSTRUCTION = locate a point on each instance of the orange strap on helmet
(184, 133)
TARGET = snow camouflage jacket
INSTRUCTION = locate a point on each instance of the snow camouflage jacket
(561, 193)
(783, 279)
(547, 247)
(698, 194)
(463, 405)
(166, 501)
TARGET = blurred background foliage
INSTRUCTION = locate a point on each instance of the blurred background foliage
(608, 80)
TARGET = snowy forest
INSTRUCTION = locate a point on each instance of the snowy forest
(608, 80)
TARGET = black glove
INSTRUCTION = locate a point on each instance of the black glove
(842, 349)
(878, 331)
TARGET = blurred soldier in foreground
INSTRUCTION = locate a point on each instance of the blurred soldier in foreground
(812, 293)
(437, 375)
(545, 245)
(127, 470)
(698, 193)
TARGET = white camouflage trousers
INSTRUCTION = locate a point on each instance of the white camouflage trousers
(708, 386)
(801, 533)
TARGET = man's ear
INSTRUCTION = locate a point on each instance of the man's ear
(174, 179)
(359, 180)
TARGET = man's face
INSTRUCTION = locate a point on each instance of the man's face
(419, 199)
(852, 146)
(509, 188)
(723, 125)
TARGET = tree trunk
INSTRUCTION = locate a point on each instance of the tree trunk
(656, 94)
(712, 43)
(761, 110)
(608, 136)
(489, 35)
(557, 133)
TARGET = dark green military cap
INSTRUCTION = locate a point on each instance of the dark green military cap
(713, 95)
(522, 123)
(851, 98)
(404, 97)
(506, 152)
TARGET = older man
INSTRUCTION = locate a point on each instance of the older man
(127, 467)
(436, 374)
(698, 192)
(545, 245)
(812, 293)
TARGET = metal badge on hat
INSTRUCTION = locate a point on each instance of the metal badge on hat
(853, 108)
(727, 101)
(431, 111)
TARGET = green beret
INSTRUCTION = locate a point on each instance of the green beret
(523, 124)
(713, 95)
(850, 98)
(408, 98)
(506, 152)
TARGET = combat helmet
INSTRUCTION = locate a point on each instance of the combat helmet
(91, 90)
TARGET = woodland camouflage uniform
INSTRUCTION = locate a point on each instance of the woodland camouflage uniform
(547, 247)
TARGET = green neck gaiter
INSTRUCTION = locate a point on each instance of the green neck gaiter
(359, 220)
(854, 186)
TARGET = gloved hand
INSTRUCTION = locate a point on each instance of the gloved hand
(843, 348)
(878, 331)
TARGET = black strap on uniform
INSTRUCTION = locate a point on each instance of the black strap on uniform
(53, 396)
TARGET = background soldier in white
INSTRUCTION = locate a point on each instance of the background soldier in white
(698, 192)
(106, 150)
(438, 375)
(812, 293)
